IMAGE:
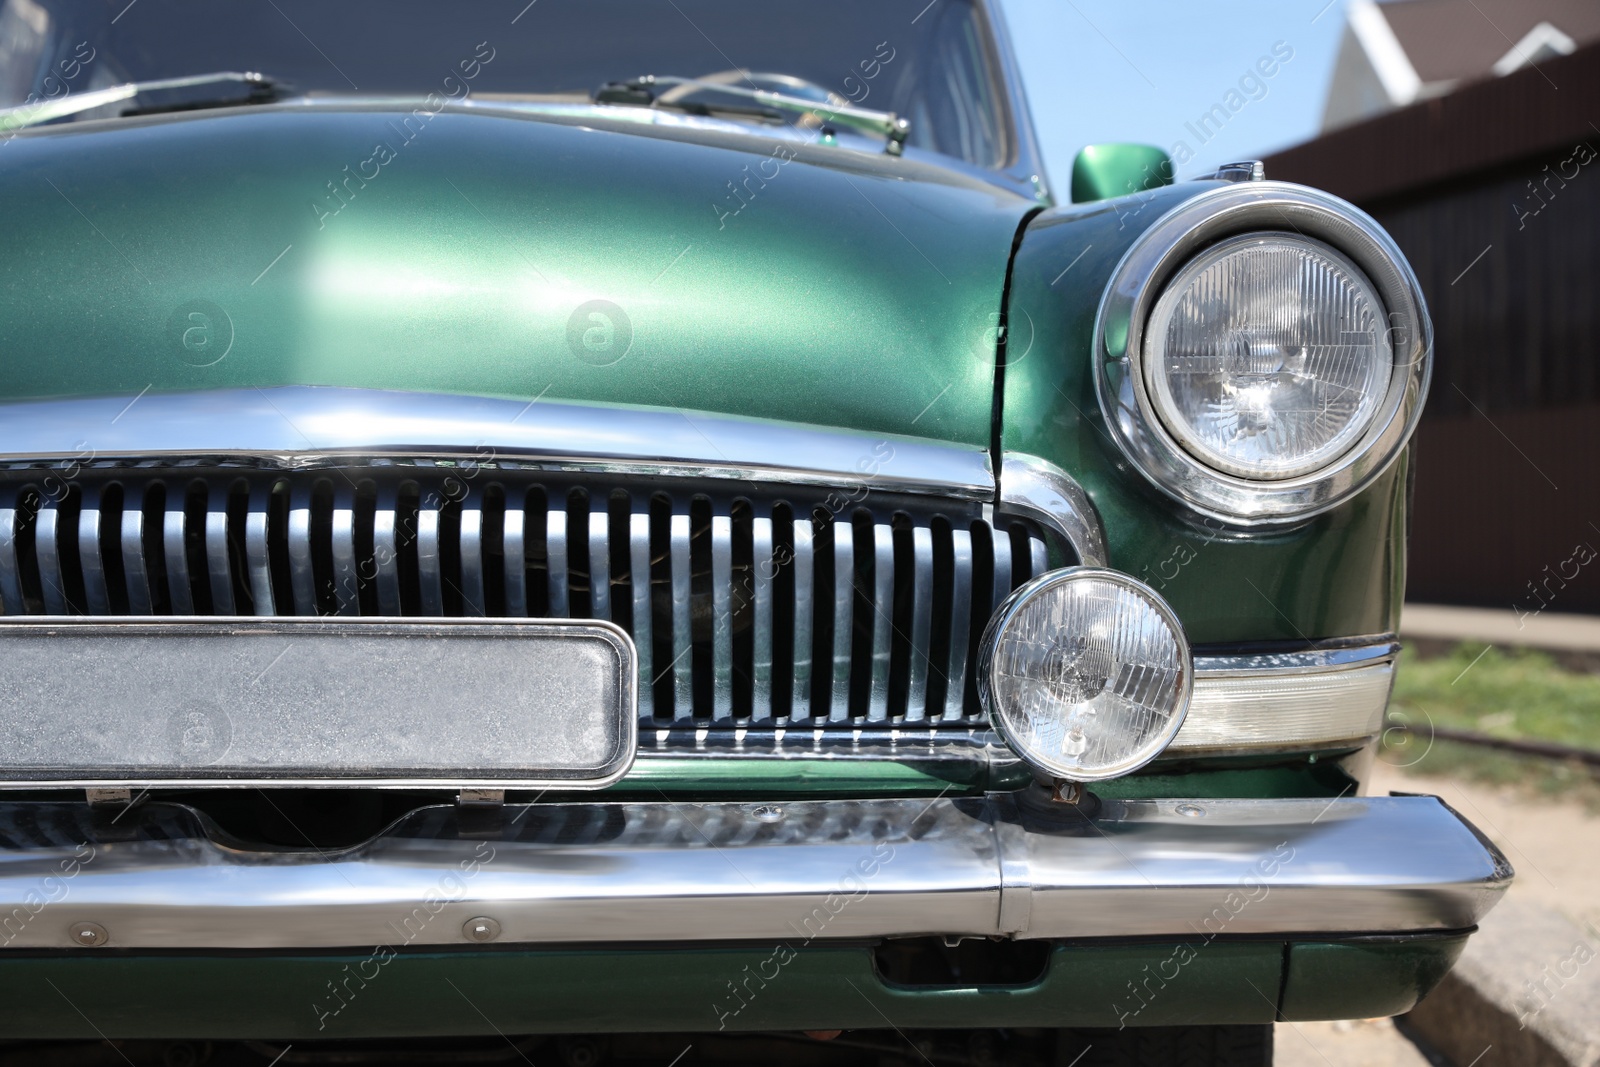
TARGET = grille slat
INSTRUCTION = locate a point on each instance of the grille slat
(960, 620)
(216, 548)
(599, 559)
(761, 573)
(883, 620)
(721, 611)
(921, 620)
(386, 550)
(555, 547)
(682, 635)
(134, 569)
(302, 575)
(97, 597)
(47, 549)
(174, 542)
(643, 609)
(472, 583)
(430, 562)
(804, 608)
(844, 599)
(256, 551)
(743, 574)
(10, 575)
(346, 586)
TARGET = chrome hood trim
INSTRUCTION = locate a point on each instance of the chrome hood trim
(162, 877)
(296, 426)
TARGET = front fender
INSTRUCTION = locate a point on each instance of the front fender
(1339, 574)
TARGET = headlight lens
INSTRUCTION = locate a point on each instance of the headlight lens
(1086, 673)
(1268, 356)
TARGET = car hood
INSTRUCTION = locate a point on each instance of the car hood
(502, 253)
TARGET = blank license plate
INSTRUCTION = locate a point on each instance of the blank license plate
(376, 702)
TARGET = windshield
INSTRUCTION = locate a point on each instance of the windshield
(930, 63)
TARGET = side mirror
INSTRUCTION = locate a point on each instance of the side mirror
(1102, 171)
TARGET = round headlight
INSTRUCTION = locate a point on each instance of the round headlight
(1263, 350)
(1086, 673)
(1268, 355)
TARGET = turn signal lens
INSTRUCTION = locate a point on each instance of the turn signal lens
(1086, 673)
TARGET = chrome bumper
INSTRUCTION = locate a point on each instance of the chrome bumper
(162, 877)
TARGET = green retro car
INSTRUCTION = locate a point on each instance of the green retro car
(604, 531)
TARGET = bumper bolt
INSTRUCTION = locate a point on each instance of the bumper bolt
(1190, 811)
(768, 813)
(90, 934)
(482, 929)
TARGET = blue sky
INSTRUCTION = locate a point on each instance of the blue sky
(1140, 70)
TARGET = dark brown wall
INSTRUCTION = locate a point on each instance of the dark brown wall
(1493, 193)
(1495, 514)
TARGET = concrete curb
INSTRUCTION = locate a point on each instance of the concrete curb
(1526, 993)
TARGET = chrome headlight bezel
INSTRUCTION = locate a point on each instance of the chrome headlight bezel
(1139, 281)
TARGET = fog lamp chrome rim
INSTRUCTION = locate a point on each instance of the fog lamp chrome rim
(1111, 675)
(1132, 413)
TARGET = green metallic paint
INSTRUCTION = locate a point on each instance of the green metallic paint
(518, 990)
(798, 986)
(849, 290)
(1103, 171)
(1337, 575)
(1365, 979)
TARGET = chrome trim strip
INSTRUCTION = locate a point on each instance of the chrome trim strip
(1356, 865)
(301, 426)
(1137, 283)
(1034, 488)
(1358, 653)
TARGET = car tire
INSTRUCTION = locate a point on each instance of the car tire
(1169, 1046)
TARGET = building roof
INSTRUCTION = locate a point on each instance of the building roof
(1456, 40)
(1480, 126)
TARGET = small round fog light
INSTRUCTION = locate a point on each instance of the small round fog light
(1086, 673)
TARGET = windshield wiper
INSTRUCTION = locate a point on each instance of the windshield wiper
(641, 92)
(260, 89)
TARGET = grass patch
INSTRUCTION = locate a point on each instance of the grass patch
(1512, 694)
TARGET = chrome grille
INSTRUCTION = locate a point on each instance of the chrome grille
(765, 605)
